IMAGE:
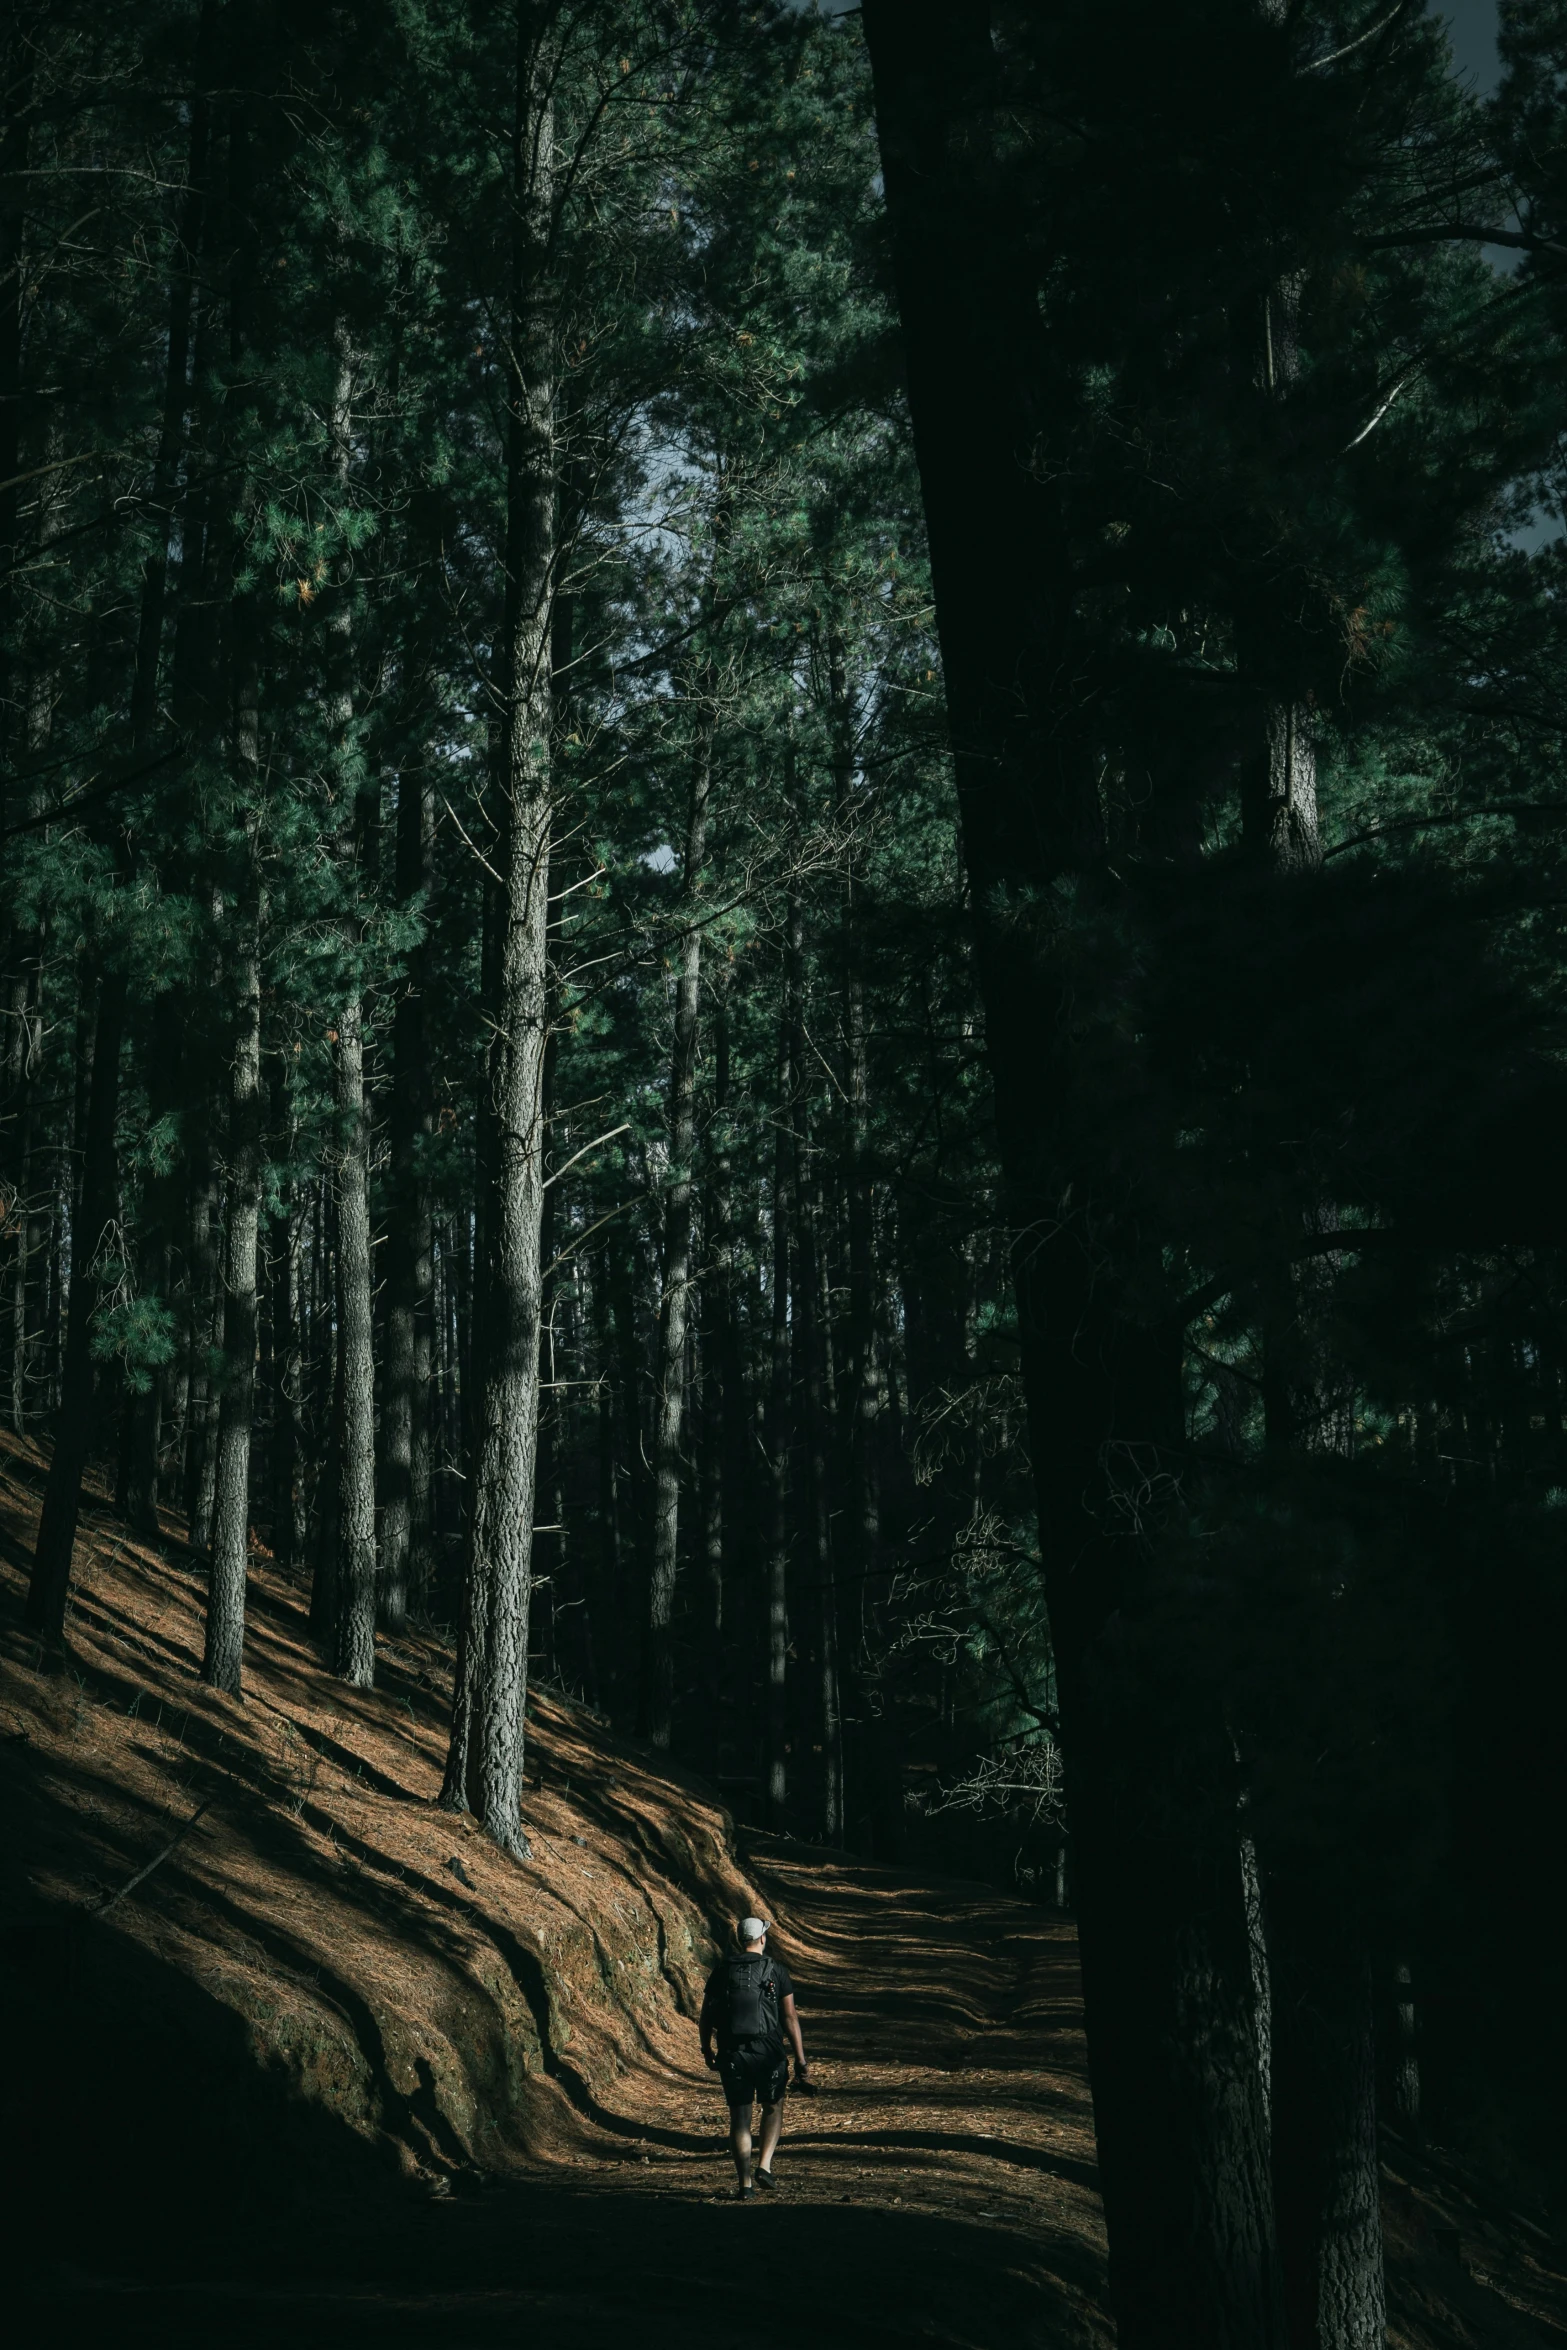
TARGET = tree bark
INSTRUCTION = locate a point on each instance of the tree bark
(1325, 2169)
(779, 1429)
(808, 1350)
(224, 1654)
(723, 1373)
(160, 1214)
(160, 1195)
(678, 1221)
(405, 1417)
(612, 1563)
(23, 1106)
(16, 129)
(1315, 1970)
(353, 1643)
(19, 1026)
(1170, 2009)
(354, 1647)
(204, 1332)
(1280, 825)
(289, 1518)
(324, 1606)
(484, 1764)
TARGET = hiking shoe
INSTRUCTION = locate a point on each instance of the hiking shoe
(764, 2178)
(743, 2194)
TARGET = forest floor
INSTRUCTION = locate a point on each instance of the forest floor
(336, 2071)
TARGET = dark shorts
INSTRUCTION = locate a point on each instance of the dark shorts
(752, 2072)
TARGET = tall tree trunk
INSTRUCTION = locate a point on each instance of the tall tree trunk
(224, 1654)
(288, 1358)
(354, 1646)
(810, 1335)
(723, 1374)
(612, 1562)
(49, 1587)
(1166, 1960)
(868, 1378)
(24, 1216)
(675, 1304)
(16, 127)
(633, 1479)
(159, 1223)
(324, 1604)
(1279, 817)
(484, 1765)
(808, 1347)
(160, 1197)
(1317, 1965)
(18, 985)
(353, 1649)
(779, 1430)
(204, 1327)
(1325, 2167)
(1404, 2052)
(405, 1416)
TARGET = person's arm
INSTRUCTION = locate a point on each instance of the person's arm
(705, 2027)
(791, 2023)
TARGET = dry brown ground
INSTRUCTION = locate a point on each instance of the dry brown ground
(337, 2071)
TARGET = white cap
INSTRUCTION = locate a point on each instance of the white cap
(751, 1929)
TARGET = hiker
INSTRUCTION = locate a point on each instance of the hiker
(749, 2006)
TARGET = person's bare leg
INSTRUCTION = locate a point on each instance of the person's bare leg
(740, 2141)
(772, 2131)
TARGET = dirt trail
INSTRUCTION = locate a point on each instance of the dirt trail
(939, 2188)
(336, 2072)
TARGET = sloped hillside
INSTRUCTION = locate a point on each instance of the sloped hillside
(374, 1959)
(291, 2053)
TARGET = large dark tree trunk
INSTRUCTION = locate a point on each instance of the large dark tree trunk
(49, 1588)
(1325, 2167)
(484, 1765)
(1169, 2003)
(1315, 1970)
(1403, 2052)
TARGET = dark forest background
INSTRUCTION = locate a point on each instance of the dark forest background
(782, 920)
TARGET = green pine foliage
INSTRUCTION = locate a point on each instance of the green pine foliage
(1286, 413)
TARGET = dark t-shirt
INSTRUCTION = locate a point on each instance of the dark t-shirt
(715, 2000)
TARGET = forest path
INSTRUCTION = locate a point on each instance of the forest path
(939, 2186)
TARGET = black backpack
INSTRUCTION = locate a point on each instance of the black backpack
(749, 2008)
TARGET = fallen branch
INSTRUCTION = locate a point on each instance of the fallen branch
(156, 1861)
